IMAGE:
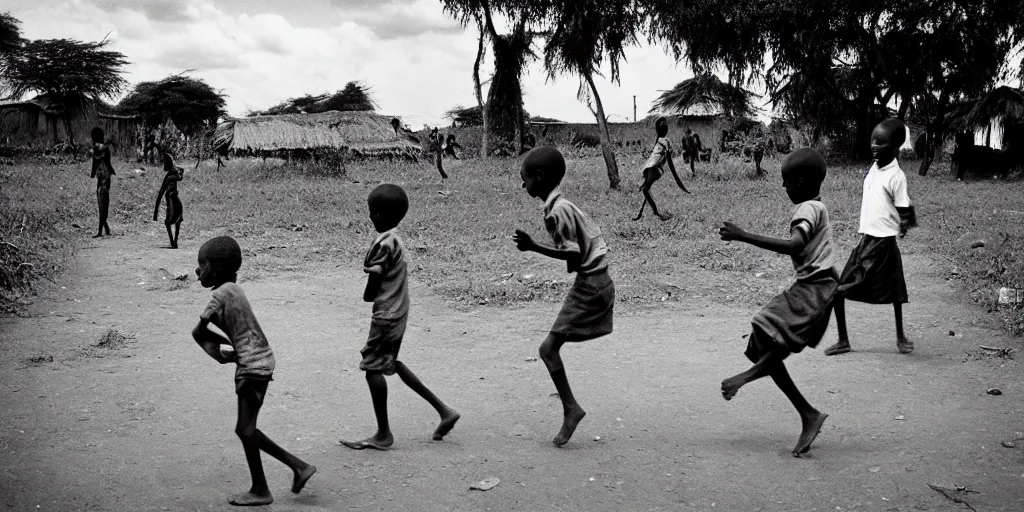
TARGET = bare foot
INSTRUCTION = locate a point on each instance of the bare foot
(638, 217)
(98, 235)
(811, 426)
(573, 415)
(301, 476)
(665, 216)
(447, 422)
(841, 347)
(251, 499)
(904, 345)
(382, 443)
(731, 386)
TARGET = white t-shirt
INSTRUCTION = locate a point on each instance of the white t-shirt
(885, 189)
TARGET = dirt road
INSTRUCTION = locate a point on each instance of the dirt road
(146, 423)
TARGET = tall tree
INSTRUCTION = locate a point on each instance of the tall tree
(355, 96)
(75, 73)
(480, 52)
(582, 35)
(10, 43)
(191, 103)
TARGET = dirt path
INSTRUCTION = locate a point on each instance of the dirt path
(147, 425)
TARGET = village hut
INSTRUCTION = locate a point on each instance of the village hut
(356, 133)
(996, 119)
(44, 122)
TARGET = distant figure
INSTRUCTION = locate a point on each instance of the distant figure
(388, 289)
(799, 316)
(450, 145)
(247, 347)
(169, 187)
(102, 170)
(395, 124)
(660, 155)
(588, 310)
(435, 145)
(693, 148)
(149, 148)
(529, 141)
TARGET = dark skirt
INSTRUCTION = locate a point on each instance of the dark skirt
(254, 387)
(174, 214)
(652, 174)
(381, 350)
(795, 318)
(588, 308)
(874, 273)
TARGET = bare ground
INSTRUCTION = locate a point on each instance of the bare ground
(146, 421)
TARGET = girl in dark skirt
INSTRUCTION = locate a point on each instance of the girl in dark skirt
(798, 317)
(169, 188)
(874, 272)
(588, 308)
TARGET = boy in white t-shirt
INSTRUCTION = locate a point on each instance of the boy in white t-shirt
(874, 272)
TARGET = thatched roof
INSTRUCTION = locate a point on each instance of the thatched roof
(363, 133)
(1002, 102)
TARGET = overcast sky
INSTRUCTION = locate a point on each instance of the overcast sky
(417, 60)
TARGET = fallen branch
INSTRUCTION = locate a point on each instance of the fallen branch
(951, 495)
(12, 246)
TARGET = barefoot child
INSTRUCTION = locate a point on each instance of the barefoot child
(387, 289)
(797, 317)
(587, 311)
(102, 170)
(247, 347)
(660, 155)
(874, 272)
(170, 189)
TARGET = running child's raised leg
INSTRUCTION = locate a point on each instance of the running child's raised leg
(811, 419)
(259, 493)
(573, 413)
(843, 345)
(760, 369)
(448, 415)
(383, 439)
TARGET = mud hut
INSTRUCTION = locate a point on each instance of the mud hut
(44, 122)
(359, 134)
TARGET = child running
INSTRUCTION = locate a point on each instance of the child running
(387, 289)
(797, 317)
(874, 272)
(170, 189)
(102, 170)
(660, 155)
(247, 347)
(587, 311)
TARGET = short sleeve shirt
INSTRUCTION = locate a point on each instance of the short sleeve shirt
(885, 189)
(571, 229)
(230, 311)
(392, 300)
(662, 151)
(811, 219)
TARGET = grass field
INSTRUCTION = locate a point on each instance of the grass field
(458, 231)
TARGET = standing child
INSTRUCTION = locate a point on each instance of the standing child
(587, 311)
(102, 170)
(387, 289)
(247, 347)
(170, 188)
(874, 272)
(660, 155)
(797, 317)
(435, 145)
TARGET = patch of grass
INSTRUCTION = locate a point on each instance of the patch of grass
(114, 339)
(458, 232)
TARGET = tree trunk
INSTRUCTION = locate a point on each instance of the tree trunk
(862, 143)
(517, 142)
(937, 129)
(476, 88)
(605, 136)
(904, 107)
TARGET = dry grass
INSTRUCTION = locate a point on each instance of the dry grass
(458, 232)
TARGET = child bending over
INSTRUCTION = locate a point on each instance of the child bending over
(587, 311)
(797, 317)
(247, 347)
(660, 155)
(874, 272)
(387, 289)
(170, 189)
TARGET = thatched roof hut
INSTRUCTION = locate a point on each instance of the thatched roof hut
(996, 118)
(40, 123)
(358, 133)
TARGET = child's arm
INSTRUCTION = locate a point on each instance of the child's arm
(906, 219)
(159, 195)
(211, 342)
(372, 282)
(526, 243)
(672, 167)
(792, 247)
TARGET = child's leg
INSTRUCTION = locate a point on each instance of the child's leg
(448, 415)
(248, 410)
(760, 369)
(104, 208)
(101, 207)
(440, 167)
(383, 439)
(904, 345)
(177, 229)
(843, 345)
(170, 234)
(549, 353)
(811, 419)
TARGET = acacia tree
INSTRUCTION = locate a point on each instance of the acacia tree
(10, 43)
(191, 103)
(355, 96)
(74, 73)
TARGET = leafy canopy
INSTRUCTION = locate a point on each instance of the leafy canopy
(190, 102)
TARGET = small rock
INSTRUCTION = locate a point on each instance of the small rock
(486, 484)
(977, 244)
(951, 333)
(528, 276)
(597, 438)
(1008, 444)
(900, 418)
(994, 391)
(875, 469)
(76, 226)
(531, 358)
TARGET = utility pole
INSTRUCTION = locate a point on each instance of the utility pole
(634, 108)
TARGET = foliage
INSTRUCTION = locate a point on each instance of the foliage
(10, 34)
(708, 90)
(353, 97)
(66, 68)
(467, 116)
(192, 104)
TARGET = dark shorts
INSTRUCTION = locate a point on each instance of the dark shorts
(103, 183)
(254, 387)
(874, 273)
(174, 210)
(588, 308)
(381, 350)
(795, 318)
(652, 173)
